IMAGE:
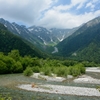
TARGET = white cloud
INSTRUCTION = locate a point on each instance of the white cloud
(23, 10)
(91, 5)
(45, 13)
(78, 3)
(94, 1)
(75, 2)
(57, 19)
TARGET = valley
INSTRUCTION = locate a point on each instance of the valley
(49, 49)
(37, 63)
(39, 36)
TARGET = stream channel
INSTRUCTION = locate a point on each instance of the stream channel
(9, 83)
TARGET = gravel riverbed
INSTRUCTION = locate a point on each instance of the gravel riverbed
(67, 90)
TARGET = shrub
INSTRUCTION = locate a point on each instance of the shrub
(47, 71)
(36, 69)
(18, 67)
(76, 69)
(3, 68)
(5, 97)
(28, 71)
(62, 71)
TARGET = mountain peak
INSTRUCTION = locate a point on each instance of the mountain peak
(93, 22)
(84, 44)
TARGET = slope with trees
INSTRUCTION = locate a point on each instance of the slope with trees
(9, 41)
(84, 44)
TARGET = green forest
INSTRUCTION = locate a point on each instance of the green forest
(10, 41)
(13, 62)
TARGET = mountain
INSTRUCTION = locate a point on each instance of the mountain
(9, 41)
(19, 30)
(42, 38)
(61, 34)
(84, 44)
(51, 36)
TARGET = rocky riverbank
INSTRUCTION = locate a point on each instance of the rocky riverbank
(66, 90)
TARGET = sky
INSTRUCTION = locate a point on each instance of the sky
(50, 13)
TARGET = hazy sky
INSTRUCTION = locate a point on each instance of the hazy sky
(50, 13)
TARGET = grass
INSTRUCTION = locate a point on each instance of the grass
(5, 97)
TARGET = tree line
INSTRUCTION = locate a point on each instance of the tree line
(13, 62)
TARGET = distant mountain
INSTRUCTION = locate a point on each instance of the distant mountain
(84, 44)
(52, 35)
(9, 41)
(19, 30)
(61, 34)
(41, 37)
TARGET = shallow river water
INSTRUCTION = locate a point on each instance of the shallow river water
(9, 82)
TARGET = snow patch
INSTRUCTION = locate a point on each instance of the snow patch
(31, 29)
(55, 50)
(36, 30)
(42, 40)
(61, 38)
(5, 25)
(16, 29)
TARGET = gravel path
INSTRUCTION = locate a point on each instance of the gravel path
(68, 90)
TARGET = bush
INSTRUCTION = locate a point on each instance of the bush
(17, 68)
(5, 97)
(28, 71)
(3, 68)
(62, 71)
(36, 69)
(77, 69)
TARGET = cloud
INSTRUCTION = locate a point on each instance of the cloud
(46, 13)
(23, 10)
(57, 19)
(78, 3)
(92, 4)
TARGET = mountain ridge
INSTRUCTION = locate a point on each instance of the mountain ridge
(9, 41)
(39, 36)
(78, 45)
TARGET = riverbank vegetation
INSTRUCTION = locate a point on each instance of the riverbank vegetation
(5, 97)
(14, 63)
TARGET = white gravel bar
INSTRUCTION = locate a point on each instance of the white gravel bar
(93, 69)
(56, 79)
(87, 79)
(58, 89)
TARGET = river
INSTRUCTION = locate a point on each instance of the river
(9, 83)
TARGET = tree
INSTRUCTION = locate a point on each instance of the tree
(10, 62)
(14, 54)
(17, 68)
(28, 71)
(3, 68)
